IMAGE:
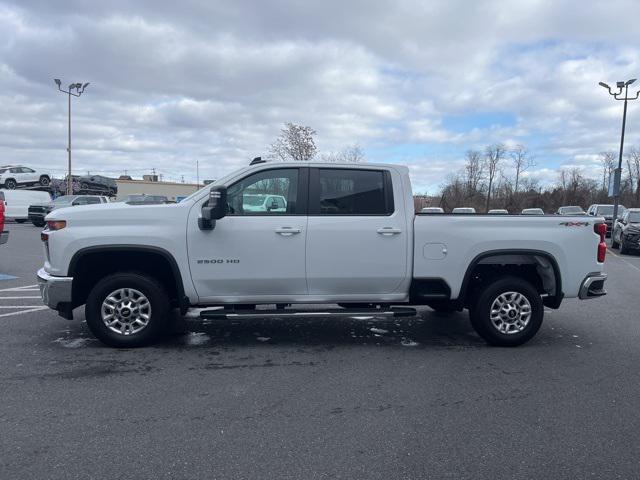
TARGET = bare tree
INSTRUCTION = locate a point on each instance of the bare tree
(522, 160)
(633, 162)
(608, 161)
(295, 142)
(473, 171)
(350, 154)
(494, 154)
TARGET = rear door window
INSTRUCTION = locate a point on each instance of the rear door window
(343, 191)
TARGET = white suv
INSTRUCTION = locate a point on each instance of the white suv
(12, 176)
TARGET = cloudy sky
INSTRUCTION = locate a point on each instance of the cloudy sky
(413, 82)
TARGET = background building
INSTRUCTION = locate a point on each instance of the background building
(150, 185)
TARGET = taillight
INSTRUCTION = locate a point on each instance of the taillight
(601, 229)
(54, 225)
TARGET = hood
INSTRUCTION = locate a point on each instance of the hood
(117, 214)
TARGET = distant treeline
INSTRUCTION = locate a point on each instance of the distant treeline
(495, 179)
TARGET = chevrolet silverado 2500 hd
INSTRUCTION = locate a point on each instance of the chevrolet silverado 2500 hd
(344, 234)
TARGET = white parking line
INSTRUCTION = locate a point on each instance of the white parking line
(25, 288)
(20, 293)
(36, 309)
(20, 306)
(18, 298)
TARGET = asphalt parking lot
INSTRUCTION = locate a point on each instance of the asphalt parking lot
(319, 398)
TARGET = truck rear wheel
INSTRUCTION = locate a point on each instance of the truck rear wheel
(127, 310)
(507, 312)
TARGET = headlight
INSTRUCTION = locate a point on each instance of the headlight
(54, 225)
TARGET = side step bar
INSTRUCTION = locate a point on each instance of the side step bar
(331, 312)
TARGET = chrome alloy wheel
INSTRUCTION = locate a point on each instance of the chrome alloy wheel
(510, 312)
(126, 311)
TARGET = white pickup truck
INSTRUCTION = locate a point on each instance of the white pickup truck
(348, 235)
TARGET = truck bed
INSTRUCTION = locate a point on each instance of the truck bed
(446, 246)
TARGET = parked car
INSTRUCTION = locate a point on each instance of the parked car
(98, 183)
(432, 210)
(498, 211)
(463, 210)
(532, 211)
(254, 203)
(626, 233)
(18, 202)
(141, 199)
(349, 235)
(12, 176)
(570, 210)
(4, 235)
(37, 212)
(606, 211)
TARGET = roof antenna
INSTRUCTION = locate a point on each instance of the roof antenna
(257, 160)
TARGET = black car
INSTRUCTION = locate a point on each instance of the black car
(98, 183)
(38, 212)
(626, 233)
(606, 211)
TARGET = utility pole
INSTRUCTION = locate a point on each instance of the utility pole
(197, 174)
(79, 88)
(618, 172)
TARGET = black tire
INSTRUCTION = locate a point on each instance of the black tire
(44, 180)
(84, 186)
(10, 184)
(624, 250)
(38, 223)
(21, 220)
(480, 312)
(149, 287)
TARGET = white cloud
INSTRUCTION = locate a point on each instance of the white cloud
(172, 83)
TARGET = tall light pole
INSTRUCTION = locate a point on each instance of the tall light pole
(79, 88)
(618, 173)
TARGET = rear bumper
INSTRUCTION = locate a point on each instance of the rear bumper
(593, 286)
(4, 236)
(55, 291)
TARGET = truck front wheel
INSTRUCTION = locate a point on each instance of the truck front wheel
(507, 312)
(126, 310)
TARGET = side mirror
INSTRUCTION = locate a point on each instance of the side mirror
(214, 208)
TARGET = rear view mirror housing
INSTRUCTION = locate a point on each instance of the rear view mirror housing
(214, 208)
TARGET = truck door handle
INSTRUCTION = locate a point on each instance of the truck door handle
(287, 231)
(389, 231)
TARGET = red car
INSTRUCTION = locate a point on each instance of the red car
(4, 236)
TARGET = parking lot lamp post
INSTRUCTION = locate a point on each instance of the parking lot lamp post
(618, 175)
(79, 90)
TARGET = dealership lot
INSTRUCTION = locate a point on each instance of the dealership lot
(319, 398)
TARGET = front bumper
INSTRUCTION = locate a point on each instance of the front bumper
(38, 217)
(55, 291)
(4, 236)
(593, 286)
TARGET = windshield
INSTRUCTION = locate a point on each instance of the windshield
(605, 210)
(2, 170)
(634, 217)
(64, 199)
(571, 210)
(220, 181)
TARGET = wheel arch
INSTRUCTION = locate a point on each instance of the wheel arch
(147, 259)
(508, 257)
